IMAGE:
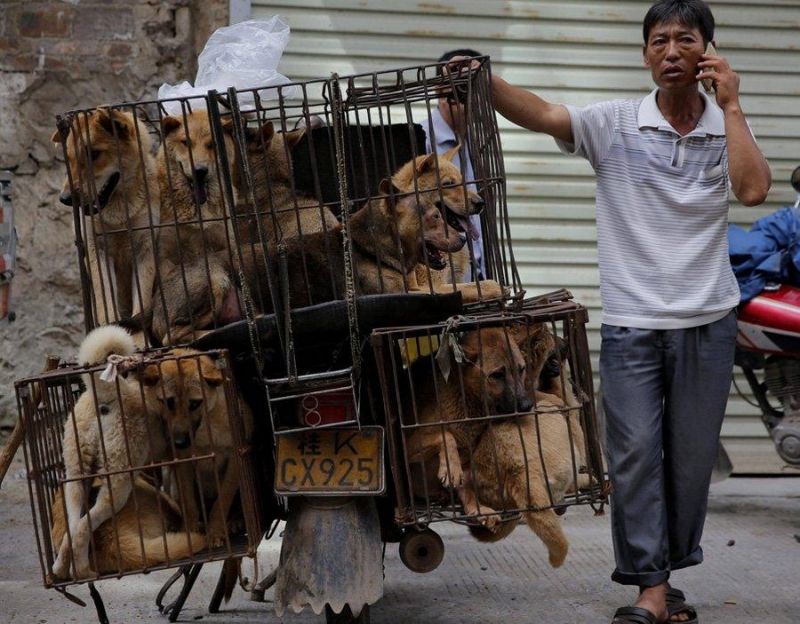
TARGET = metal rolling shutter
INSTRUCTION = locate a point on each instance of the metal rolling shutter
(574, 52)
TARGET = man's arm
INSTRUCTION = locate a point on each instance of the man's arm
(530, 111)
(748, 169)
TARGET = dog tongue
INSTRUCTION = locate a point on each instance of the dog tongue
(200, 193)
(469, 228)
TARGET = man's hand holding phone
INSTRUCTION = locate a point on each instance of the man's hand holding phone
(715, 72)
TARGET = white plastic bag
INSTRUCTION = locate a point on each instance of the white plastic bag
(244, 56)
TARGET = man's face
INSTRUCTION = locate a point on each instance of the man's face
(453, 114)
(672, 53)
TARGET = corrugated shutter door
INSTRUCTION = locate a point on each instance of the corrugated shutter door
(569, 51)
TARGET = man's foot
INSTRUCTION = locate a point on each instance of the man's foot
(678, 609)
(654, 599)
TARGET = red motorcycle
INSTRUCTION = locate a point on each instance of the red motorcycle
(768, 353)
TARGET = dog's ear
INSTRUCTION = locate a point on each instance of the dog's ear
(210, 373)
(169, 124)
(257, 138)
(293, 137)
(56, 138)
(150, 376)
(451, 153)
(115, 123)
(427, 163)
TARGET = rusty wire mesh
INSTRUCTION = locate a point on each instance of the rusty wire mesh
(160, 456)
(491, 416)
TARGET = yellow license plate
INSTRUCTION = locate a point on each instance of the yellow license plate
(330, 461)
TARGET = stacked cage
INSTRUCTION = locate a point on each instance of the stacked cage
(308, 241)
(138, 465)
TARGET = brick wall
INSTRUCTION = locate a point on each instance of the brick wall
(55, 56)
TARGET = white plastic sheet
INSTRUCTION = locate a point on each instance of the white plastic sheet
(244, 56)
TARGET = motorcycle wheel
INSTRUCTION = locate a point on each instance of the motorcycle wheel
(346, 616)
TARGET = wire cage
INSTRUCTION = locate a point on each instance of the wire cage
(147, 468)
(492, 416)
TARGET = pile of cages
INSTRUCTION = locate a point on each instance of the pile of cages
(285, 226)
(491, 417)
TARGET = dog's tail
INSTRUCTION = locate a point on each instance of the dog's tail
(104, 341)
(501, 531)
(547, 527)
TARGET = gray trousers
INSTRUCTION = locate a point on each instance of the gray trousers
(664, 396)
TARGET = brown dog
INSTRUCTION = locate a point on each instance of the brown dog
(490, 381)
(390, 236)
(111, 167)
(147, 531)
(282, 212)
(190, 388)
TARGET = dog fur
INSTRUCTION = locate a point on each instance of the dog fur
(109, 159)
(113, 426)
(490, 381)
(190, 388)
(148, 529)
(390, 236)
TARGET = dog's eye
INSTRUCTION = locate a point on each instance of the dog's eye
(94, 155)
(448, 182)
(521, 371)
(185, 142)
(210, 145)
(170, 402)
(194, 404)
(498, 374)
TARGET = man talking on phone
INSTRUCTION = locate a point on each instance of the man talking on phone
(665, 165)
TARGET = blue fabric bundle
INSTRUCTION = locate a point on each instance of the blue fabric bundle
(768, 253)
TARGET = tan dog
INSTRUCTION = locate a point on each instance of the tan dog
(389, 238)
(490, 381)
(282, 212)
(437, 174)
(190, 389)
(114, 426)
(147, 531)
(112, 171)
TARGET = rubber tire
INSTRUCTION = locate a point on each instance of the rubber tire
(346, 616)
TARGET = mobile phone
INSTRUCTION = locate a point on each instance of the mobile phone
(708, 84)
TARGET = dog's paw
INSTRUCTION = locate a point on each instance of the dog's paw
(491, 520)
(491, 290)
(216, 535)
(61, 568)
(451, 476)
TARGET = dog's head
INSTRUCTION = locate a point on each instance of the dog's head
(186, 388)
(495, 371)
(104, 150)
(439, 175)
(189, 145)
(421, 226)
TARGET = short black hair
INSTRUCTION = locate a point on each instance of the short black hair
(460, 52)
(692, 13)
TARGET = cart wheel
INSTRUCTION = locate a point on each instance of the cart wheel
(346, 616)
(421, 551)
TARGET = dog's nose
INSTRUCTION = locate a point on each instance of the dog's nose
(478, 204)
(181, 440)
(524, 404)
(200, 174)
(65, 198)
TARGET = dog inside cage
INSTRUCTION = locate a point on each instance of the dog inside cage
(142, 468)
(491, 426)
(198, 212)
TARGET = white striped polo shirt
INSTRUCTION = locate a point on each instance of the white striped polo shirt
(662, 213)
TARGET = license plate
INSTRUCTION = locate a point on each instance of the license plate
(330, 461)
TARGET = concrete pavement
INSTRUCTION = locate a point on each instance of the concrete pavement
(750, 575)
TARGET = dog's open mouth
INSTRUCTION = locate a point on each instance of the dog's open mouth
(103, 196)
(199, 190)
(436, 257)
(460, 224)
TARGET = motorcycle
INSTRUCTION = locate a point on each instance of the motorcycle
(768, 354)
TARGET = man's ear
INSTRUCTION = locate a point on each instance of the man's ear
(169, 124)
(644, 56)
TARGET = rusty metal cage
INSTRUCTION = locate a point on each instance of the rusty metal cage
(492, 416)
(146, 469)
